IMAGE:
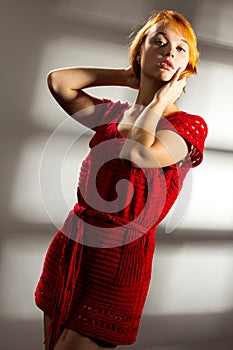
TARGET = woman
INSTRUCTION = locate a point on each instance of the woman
(98, 267)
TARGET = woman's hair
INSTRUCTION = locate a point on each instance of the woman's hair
(182, 25)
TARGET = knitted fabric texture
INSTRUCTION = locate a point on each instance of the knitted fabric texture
(95, 278)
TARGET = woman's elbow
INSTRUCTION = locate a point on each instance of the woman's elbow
(58, 89)
(52, 81)
(128, 154)
(140, 157)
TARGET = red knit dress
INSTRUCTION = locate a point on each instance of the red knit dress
(97, 269)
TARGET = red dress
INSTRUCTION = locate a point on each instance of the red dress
(97, 269)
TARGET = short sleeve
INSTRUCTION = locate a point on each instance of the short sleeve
(92, 116)
(111, 110)
(192, 128)
(101, 114)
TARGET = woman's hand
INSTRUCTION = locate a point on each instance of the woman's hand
(131, 80)
(171, 91)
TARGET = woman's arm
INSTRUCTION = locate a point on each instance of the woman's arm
(67, 84)
(143, 146)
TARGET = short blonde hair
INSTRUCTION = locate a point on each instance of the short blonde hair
(182, 25)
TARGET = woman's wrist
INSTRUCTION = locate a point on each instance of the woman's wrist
(157, 106)
(129, 78)
(112, 76)
(124, 76)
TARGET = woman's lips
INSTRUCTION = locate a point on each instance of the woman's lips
(167, 65)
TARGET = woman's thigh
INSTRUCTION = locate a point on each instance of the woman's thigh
(71, 340)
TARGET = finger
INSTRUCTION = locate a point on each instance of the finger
(176, 75)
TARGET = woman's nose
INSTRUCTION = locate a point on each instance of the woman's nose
(170, 51)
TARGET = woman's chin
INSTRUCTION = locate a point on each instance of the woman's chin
(166, 76)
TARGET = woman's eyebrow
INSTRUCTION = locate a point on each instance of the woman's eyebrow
(185, 41)
(161, 33)
(164, 34)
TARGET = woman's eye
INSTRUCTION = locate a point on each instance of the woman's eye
(159, 42)
(181, 49)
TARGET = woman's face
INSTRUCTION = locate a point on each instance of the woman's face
(163, 52)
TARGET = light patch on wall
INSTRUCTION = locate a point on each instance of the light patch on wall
(25, 203)
(191, 279)
(21, 264)
(212, 100)
(28, 195)
(70, 51)
(211, 205)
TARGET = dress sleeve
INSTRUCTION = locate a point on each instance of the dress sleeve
(92, 117)
(108, 112)
(192, 128)
(103, 113)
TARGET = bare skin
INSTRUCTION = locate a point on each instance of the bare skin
(70, 340)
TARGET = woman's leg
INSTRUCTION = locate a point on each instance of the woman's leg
(71, 340)
(47, 321)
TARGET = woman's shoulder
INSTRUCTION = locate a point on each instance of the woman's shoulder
(186, 118)
(114, 104)
(111, 110)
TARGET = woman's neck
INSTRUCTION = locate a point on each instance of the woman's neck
(147, 92)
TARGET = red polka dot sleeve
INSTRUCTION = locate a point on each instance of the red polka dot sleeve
(192, 128)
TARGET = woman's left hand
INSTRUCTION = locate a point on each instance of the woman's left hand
(131, 80)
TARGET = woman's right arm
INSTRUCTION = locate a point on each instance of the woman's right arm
(67, 84)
